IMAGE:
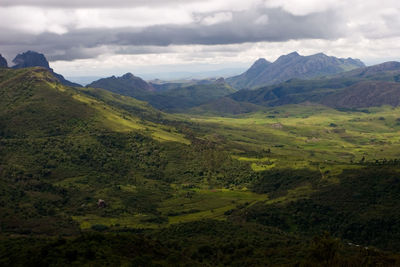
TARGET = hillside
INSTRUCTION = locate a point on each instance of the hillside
(185, 97)
(225, 106)
(173, 97)
(127, 84)
(365, 94)
(291, 66)
(364, 87)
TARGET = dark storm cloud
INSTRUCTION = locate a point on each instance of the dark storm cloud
(275, 25)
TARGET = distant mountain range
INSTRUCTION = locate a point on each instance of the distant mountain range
(166, 96)
(290, 66)
(291, 79)
(365, 87)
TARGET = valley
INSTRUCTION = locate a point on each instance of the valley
(200, 171)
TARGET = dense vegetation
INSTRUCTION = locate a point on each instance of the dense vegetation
(88, 177)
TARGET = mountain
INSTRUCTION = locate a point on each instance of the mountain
(127, 84)
(174, 97)
(369, 86)
(3, 62)
(291, 66)
(387, 71)
(187, 96)
(251, 75)
(225, 106)
(34, 59)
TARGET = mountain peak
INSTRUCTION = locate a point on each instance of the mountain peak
(127, 84)
(319, 55)
(30, 59)
(294, 54)
(261, 61)
(128, 76)
(289, 56)
(3, 62)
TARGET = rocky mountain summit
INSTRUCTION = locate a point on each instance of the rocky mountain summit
(35, 59)
(290, 66)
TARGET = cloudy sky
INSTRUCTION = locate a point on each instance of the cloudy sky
(99, 37)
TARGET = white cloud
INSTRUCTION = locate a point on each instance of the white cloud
(35, 20)
(305, 7)
(217, 18)
(365, 29)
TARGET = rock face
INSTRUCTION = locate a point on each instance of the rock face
(128, 84)
(30, 59)
(291, 66)
(3, 62)
(34, 59)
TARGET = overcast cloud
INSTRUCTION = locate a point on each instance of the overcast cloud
(105, 35)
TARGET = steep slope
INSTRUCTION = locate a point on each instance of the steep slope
(128, 85)
(365, 94)
(39, 106)
(291, 66)
(358, 87)
(387, 71)
(52, 135)
(34, 59)
(3, 62)
(251, 75)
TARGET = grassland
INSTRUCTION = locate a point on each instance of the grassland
(295, 137)
(299, 135)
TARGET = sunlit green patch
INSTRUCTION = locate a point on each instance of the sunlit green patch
(194, 204)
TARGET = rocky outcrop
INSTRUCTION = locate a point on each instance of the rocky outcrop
(30, 59)
(34, 59)
(3, 62)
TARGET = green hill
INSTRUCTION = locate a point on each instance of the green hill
(173, 97)
(127, 84)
